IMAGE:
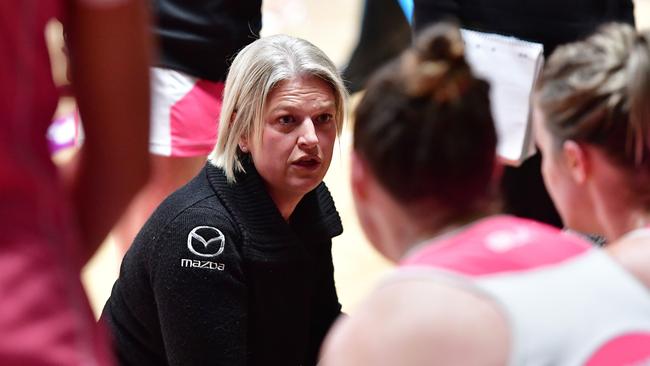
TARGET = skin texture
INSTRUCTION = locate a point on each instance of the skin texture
(388, 227)
(565, 173)
(113, 97)
(297, 142)
(392, 227)
(591, 192)
(405, 323)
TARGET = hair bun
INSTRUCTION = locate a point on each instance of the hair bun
(441, 42)
(436, 64)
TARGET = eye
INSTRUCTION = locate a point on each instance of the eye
(324, 118)
(287, 119)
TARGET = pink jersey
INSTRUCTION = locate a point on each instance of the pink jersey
(44, 314)
(566, 302)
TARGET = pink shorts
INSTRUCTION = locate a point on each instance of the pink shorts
(184, 113)
(184, 117)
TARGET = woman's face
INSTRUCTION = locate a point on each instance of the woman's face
(298, 134)
(569, 197)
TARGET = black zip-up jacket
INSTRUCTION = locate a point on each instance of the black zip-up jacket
(217, 277)
(201, 37)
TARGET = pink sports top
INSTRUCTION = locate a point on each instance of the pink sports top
(566, 302)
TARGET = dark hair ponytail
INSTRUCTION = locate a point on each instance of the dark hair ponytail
(424, 125)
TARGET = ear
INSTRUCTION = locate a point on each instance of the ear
(243, 144)
(359, 177)
(576, 158)
(243, 139)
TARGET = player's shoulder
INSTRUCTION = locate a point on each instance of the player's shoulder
(417, 321)
(632, 252)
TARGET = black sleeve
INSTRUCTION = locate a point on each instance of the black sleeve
(426, 12)
(199, 290)
(326, 302)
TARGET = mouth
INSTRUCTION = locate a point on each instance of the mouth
(308, 162)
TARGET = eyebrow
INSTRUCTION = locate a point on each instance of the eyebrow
(325, 105)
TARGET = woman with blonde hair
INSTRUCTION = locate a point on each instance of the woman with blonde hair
(235, 268)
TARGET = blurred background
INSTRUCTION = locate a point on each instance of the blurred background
(334, 27)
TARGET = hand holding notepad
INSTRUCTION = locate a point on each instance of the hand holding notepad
(511, 66)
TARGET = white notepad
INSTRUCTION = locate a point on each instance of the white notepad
(511, 66)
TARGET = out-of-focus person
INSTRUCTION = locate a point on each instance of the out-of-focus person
(52, 221)
(384, 33)
(593, 127)
(551, 23)
(235, 268)
(197, 40)
(471, 288)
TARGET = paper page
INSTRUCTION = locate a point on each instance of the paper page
(511, 67)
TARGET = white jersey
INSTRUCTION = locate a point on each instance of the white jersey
(566, 302)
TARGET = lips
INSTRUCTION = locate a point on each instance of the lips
(308, 162)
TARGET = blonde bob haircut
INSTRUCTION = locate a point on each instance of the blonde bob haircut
(256, 70)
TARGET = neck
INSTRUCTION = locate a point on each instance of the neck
(286, 203)
(618, 211)
(444, 226)
(617, 225)
(617, 206)
(400, 236)
(408, 231)
(619, 214)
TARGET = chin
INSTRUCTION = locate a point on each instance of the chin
(307, 181)
(304, 186)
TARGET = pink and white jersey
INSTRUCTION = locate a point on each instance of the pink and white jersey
(566, 302)
(184, 113)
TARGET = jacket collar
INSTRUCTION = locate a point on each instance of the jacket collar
(314, 219)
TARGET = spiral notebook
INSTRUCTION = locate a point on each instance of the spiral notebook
(511, 66)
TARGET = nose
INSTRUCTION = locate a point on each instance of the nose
(308, 137)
